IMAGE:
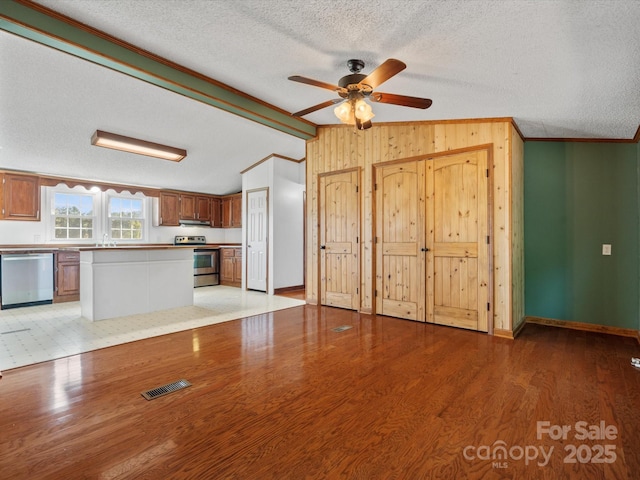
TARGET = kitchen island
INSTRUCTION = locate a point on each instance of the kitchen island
(121, 281)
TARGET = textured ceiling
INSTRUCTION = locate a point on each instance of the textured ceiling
(559, 68)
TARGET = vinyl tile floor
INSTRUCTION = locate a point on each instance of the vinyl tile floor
(31, 335)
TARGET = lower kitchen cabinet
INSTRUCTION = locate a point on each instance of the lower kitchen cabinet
(67, 277)
(231, 266)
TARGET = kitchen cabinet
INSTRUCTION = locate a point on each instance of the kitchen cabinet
(67, 277)
(187, 207)
(232, 211)
(20, 197)
(216, 212)
(176, 206)
(231, 266)
(203, 208)
(169, 209)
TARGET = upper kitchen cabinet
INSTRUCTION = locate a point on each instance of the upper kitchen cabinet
(216, 212)
(195, 207)
(176, 207)
(20, 197)
(169, 209)
(187, 207)
(203, 208)
(232, 211)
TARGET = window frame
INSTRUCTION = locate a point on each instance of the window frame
(51, 217)
(144, 219)
(101, 218)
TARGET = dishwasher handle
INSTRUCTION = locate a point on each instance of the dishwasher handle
(12, 257)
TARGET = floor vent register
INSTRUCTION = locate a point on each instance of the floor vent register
(342, 328)
(165, 389)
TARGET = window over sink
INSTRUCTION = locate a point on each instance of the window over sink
(78, 215)
(126, 218)
(73, 216)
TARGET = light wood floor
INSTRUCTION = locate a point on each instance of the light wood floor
(283, 396)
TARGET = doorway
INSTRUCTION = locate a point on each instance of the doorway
(257, 238)
(339, 212)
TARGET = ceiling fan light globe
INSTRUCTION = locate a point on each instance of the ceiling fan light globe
(363, 111)
(344, 112)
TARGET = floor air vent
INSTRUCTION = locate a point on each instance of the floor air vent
(165, 389)
(342, 328)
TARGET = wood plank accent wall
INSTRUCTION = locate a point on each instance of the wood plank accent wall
(517, 230)
(342, 147)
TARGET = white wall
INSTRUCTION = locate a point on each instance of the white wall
(285, 181)
(288, 241)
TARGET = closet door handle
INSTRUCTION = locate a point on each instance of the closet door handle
(322, 247)
(424, 249)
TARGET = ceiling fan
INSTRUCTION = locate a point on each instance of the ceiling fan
(355, 88)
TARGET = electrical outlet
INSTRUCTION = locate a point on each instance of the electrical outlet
(606, 249)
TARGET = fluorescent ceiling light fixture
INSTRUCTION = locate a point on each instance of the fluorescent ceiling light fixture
(134, 145)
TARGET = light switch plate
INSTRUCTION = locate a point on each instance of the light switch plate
(606, 249)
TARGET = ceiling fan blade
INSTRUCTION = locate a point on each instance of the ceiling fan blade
(403, 100)
(328, 103)
(383, 73)
(317, 83)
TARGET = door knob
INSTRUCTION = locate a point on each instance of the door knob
(322, 247)
(424, 249)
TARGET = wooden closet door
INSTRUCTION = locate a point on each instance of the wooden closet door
(400, 227)
(458, 270)
(339, 239)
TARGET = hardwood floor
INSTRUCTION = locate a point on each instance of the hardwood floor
(283, 396)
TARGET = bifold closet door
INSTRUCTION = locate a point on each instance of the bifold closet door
(458, 271)
(432, 240)
(399, 239)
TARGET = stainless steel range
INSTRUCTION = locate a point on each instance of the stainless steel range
(206, 260)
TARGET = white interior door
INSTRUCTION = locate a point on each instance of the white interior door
(257, 235)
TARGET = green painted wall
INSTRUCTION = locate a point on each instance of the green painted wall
(577, 197)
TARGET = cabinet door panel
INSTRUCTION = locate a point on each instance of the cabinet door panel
(203, 208)
(227, 269)
(216, 212)
(21, 197)
(68, 279)
(188, 207)
(169, 209)
(226, 212)
(236, 211)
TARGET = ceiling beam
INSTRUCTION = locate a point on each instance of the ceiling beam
(47, 27)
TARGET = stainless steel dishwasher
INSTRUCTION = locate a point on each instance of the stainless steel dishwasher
(26, 279)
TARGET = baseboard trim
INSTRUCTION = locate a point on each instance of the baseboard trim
(519, 328)
(586, 327)
(499, 332)
(277, 291)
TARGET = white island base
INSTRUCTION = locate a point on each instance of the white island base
(116, 282)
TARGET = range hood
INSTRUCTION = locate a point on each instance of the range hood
(195, 223)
